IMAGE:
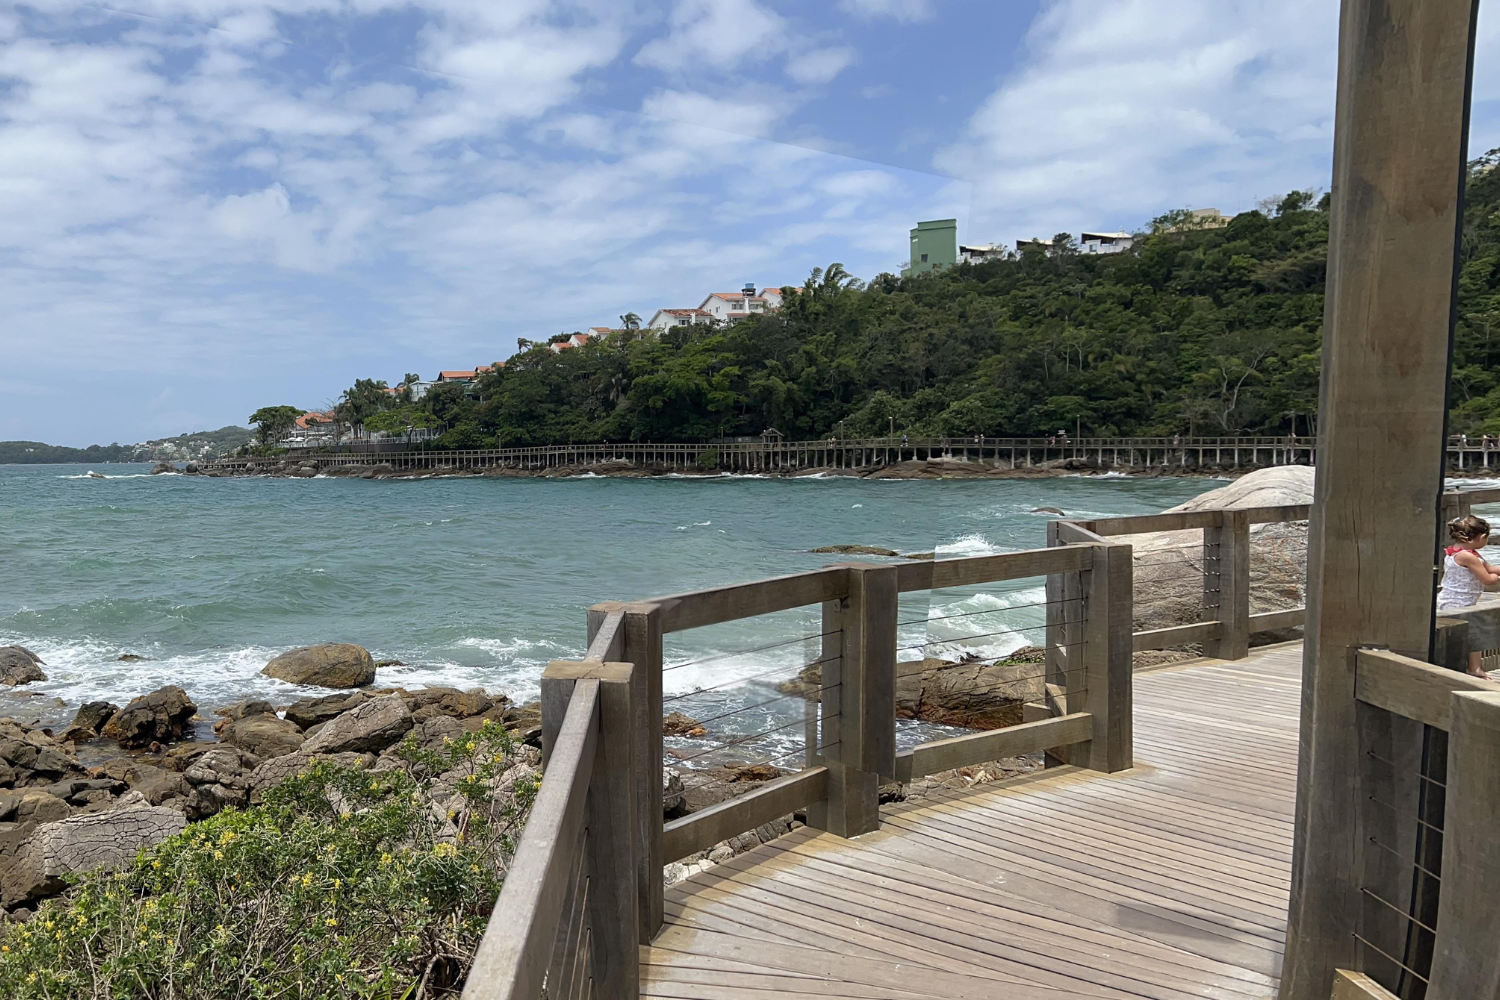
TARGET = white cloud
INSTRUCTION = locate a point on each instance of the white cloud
(900, 10)
(741, 115)
(716, 33)
(200, 194)
(819, 65)
(1128, 107)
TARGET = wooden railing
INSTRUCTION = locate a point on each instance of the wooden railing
(1430, 874)
(597, 833)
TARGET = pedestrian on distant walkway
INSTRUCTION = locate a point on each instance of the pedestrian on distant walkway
(1465, 575)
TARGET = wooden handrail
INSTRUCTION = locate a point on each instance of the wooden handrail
(1411, 688)
(512, 959)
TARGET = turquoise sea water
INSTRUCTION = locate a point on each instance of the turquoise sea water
(478, 582)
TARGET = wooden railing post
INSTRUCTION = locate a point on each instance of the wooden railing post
(859, 701)
(1465, 962)
(1226, 584)
(642, 647)
(610, 818)
(1108, 690)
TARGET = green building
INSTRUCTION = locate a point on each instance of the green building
(934, 245)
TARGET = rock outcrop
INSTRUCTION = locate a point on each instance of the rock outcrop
(309, 712)
(162, 468)
(369, 728)
(78, 844)
(329, 664)
(164, 714)
(89, 721)
(1169, 564)
(19, 665)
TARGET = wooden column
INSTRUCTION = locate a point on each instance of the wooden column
(1226, 584)
(1466, 962)
(859, 701)
(1107, 652)
(1399, 151)
(643, 648)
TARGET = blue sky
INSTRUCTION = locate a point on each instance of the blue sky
(210, 206)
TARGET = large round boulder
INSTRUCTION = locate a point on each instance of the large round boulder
(164, 714)
(328, 664)
(1169, 564)
(264, 735)
(19, 665)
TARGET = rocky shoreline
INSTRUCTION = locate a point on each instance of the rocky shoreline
(133, 776)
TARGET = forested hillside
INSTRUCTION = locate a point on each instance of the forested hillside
(1207, 331)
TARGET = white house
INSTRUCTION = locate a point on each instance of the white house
(577, 340)
(980, 254)
(665, 319)
(728, 307)
(1104, 242)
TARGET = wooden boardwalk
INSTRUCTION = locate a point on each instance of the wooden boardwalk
(1166, 881)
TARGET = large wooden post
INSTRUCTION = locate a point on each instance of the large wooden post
(859, 701)
(1399, 152)
(643, 648)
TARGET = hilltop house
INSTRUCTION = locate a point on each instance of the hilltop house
(665, 319)
(577, 340)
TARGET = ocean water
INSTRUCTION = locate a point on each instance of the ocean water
(479, 582)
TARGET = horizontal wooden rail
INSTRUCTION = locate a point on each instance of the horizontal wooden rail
(1270, 621)
(1177, 635)
(1358, 986)
(977, 748)
(746, 600)
(936, 574)
(1411, 688)
(512, 959)
(771, 801)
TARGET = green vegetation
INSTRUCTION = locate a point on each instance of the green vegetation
(37, 453)
(273, 421)
(198, 445)
(1193, 331)
(344, 884)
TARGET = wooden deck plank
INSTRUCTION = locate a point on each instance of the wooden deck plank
(1166, 881)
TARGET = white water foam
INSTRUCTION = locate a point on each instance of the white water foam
(91, 474)
(968, 545)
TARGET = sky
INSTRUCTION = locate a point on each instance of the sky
(211, 206)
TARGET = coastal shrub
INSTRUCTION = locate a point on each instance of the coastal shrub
(344, 883)
(708, 459)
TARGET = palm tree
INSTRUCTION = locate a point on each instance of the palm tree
(630, 321)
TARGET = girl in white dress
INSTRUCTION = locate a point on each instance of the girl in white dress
(1465, 573)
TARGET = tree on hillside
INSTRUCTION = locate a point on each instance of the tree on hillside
(273, 421)
(401, 421)
(362, 401)
(630, 321)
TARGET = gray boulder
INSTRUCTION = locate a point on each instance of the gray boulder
(249, 706)
(19, 665)
(329, 664)
(263, 735)
(107, 840)
(90, 721)
(220, 766)
(162, 468)
(309, 712)
(370, 728)
(164, 714)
